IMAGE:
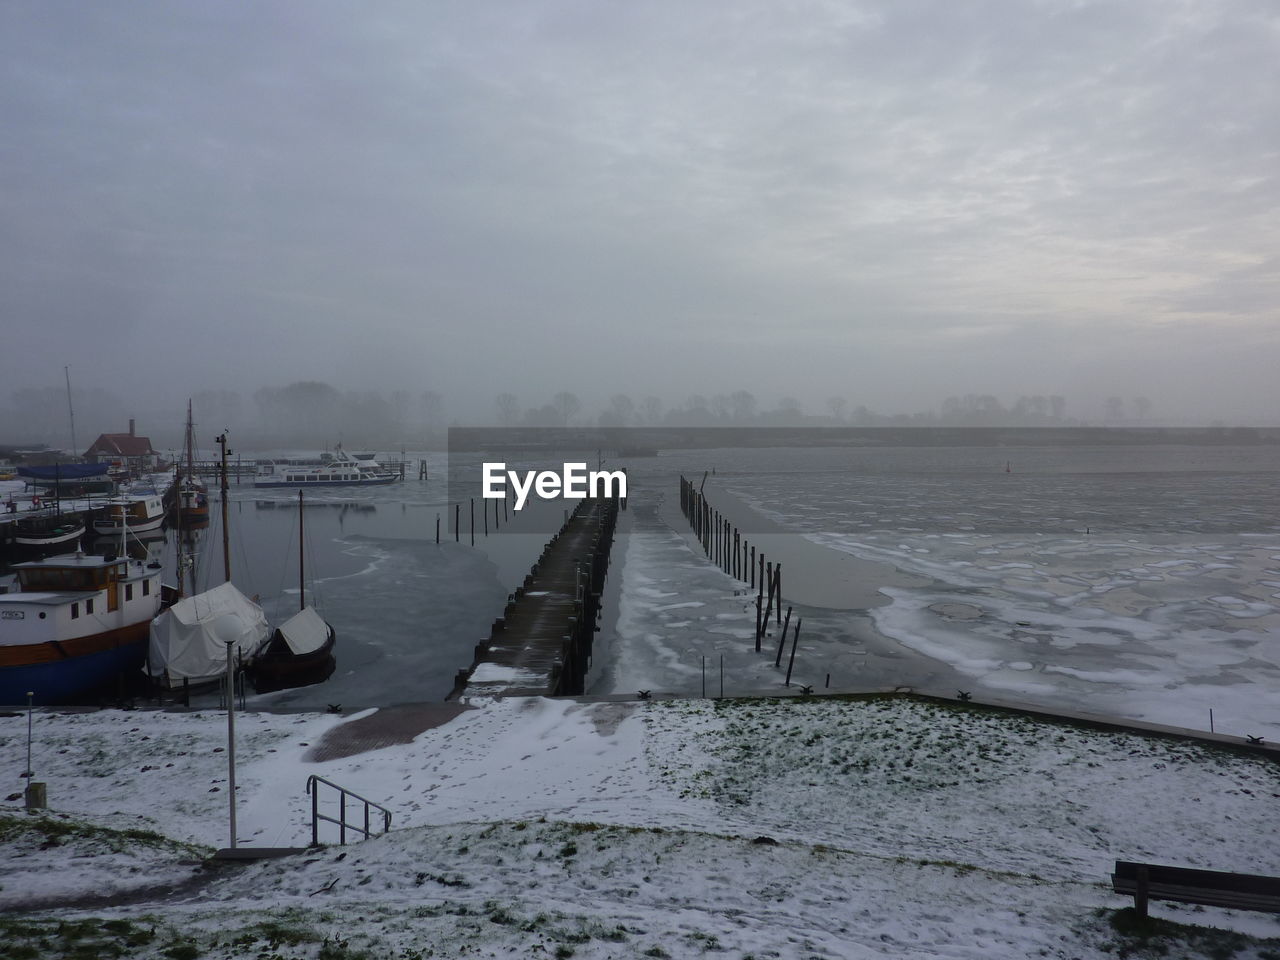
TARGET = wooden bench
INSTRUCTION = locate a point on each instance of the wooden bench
(1212, 888)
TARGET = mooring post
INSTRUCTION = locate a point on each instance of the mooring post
(457, 523)
(782, 641)
(768, 610)
(795, 639)
(437, 528)
(777, 575)
(758, 631)
(473, 521)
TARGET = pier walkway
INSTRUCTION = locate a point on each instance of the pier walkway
(541, 646)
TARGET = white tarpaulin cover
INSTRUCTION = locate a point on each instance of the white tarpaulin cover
(305, 631)
(189, 639)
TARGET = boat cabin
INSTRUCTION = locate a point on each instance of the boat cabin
(71, 596)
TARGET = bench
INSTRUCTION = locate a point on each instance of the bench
(1211, 888)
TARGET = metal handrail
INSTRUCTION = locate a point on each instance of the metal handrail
(341, 818)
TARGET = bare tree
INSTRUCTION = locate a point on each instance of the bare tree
(651, 410)
(837, 406)
(743, 404)
(622, 408)
(566, 405)
(508, 409)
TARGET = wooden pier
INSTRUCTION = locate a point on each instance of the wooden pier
(541, 646)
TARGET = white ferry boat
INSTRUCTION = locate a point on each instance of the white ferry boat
(341, 469)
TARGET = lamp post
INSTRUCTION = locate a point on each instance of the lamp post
(231, 740)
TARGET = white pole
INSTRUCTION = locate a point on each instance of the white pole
(30, 773)
(231, 740)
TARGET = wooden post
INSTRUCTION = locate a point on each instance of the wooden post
(758, 608)
(777, 576)
(753, 566)
(484, 506)
(473, 521)
(437, 528)
(768, 610)
(782, 641)
(1140, 894)
(457, 523)
(795, 640)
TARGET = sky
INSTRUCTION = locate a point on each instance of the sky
(891, 202)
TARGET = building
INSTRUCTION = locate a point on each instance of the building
(128, 451)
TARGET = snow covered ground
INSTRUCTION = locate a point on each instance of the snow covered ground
(805, 827)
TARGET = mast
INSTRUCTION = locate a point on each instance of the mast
(226, 533)
(71, 411)
(191, 444)
(177, 525)
(302, 579)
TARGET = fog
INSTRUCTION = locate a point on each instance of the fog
(894, 207)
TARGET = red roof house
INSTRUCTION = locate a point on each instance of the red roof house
(128, 449)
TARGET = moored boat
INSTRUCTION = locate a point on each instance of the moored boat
(134, 512)
(74, 623)
(192, 496)
(341, 469)
(188, 641)
(48, 532)
(299, 653)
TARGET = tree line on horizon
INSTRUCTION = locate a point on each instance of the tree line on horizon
(312, 413)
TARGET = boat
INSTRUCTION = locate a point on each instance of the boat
(191, 640)
(74, 623)
(300, 651)
(69, 479)
(188, 641)
(137, 512)
(340, 469)
(47, 532)
(192, 496)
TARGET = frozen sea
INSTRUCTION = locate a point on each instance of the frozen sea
(1136, 581)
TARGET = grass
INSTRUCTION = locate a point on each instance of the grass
(53, 830)
(1135, 936)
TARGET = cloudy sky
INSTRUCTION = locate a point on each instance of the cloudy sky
(890, 201)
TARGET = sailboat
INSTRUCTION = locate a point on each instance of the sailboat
(189, 640)
(192, 495)
(300, 651)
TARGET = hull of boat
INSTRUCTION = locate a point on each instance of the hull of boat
(280, 672)
(49, 541)
(110, 526)
(363, 482)
(59, 671)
